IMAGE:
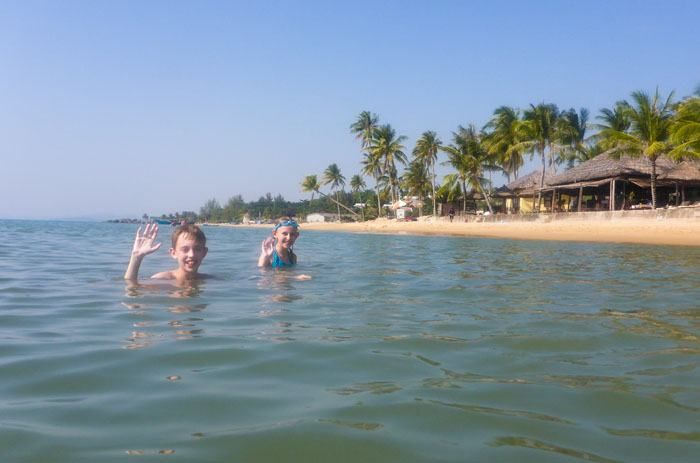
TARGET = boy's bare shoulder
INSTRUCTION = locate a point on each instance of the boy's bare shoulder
(167, 275)
(170, 275)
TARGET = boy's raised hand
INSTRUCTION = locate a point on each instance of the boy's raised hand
(144, 241)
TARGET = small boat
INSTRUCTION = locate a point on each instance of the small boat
(164, 222)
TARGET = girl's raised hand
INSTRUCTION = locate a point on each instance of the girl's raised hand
(144, 241)
(267, 246)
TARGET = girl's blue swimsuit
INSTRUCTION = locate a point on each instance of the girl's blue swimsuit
(278, 262)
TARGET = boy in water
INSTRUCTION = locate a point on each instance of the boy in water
(188, 249)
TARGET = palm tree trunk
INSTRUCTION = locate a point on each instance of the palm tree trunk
(653, 183)
(363, 208)
(338, 204)
(539, 192)
(432, 164)
(379, 202)
(464, 195)
(486, 197)
(552, 159)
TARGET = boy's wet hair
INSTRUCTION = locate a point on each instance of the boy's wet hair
(190, 230)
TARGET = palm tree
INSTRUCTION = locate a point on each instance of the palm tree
(649, 132)
(468, 155)
(364, 128)
(538, 132)
(502, 140)
(457, 182)
(616, 118)
(372, 167)
(571, 131)
(585, 153)
(358, 185)
(311, 185)
(416, 180)
(685, 131)
(333, 177)
(426, 152)
(451, 188)
(389, 148)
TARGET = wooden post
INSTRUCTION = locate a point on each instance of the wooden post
(580, 198)
(677, 198)
(612, 195)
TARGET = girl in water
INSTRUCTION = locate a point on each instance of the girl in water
(276, 250)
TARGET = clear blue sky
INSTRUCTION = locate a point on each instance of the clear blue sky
(116, 108)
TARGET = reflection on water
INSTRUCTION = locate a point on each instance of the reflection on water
(503, 412)
(354, 425)
(414, 349)
(547, 447)
(452, 379)
(278, 285)
(374, 387)
(656, 434)
(145, 452)
(147, 331)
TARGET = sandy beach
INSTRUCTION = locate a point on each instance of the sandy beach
(666, 231)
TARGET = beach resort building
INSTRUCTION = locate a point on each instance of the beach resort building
(607, 183)
(520, 195)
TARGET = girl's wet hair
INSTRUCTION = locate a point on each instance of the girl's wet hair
(190, 230)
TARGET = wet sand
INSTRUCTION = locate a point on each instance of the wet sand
(676, 231)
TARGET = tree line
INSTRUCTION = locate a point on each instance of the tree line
(265, 208)
(646, 125)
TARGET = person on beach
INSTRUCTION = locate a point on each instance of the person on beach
(188, 249)
(276, 250)
(451, 213)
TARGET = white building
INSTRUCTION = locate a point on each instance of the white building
(315, 217)
(403, 212)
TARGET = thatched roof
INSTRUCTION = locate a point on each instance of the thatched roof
(529, 182)
(686, 170)
(605, 166)
(502, 192)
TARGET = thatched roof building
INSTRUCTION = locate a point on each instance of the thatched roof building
(600, 177)
(530, 183)
(605, 167)
(591, 185)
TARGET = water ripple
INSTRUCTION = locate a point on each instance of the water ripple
(414, 349)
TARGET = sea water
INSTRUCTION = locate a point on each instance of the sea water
(399, 349)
